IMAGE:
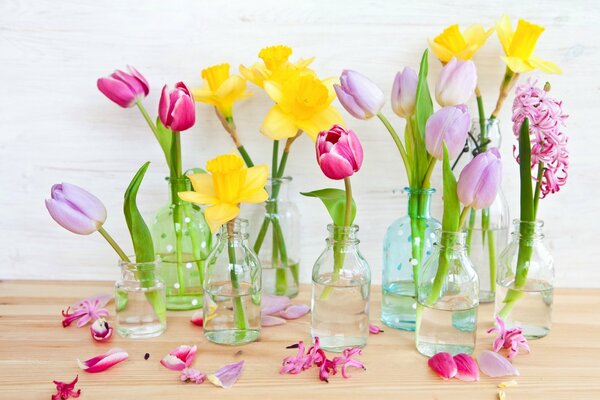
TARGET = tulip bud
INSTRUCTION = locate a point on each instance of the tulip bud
(176, 108)
(456, 83)
(404, 92)
(480, 180)
(450, 125)
(75, 209)
(124, 88)
(359, 95)
(339, 152)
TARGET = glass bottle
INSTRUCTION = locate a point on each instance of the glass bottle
(140, 300)
(401, 252)
(276, 239)
(447, 299)
(232, 288)
(525, 281)
(341, 281)
(182, 239)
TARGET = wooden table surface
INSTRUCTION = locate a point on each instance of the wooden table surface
(35, 349)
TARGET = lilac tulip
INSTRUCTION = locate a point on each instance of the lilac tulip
(404, 92)
(339, 152)
(456, 83)
(176, 108)
(124, 88)
(480, 180)
(359, 95)
(450, 125)
(75, 209)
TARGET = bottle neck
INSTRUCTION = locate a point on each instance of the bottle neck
(278, 188)
(528, 230)
(343, 235)
(235, 230)
(138, 272)
(177, 185)
(489, 136)
(451, 242)
(419, 201)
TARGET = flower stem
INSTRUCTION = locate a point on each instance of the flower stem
(113, 244)
(239, 314)
(538, 188)
(176, 175)
(510, 78)
(245, 156)
(463, 216)
(149, 121)
(399, 144)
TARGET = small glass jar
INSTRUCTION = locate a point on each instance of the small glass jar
(341, 287)
(275, 237)
(232, 288)
(447, 299)
(525, 281)
(140, 300)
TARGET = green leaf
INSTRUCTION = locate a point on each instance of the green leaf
(140, 234)
(335, 202)
(165, 139)
(451, 218)
(423, 110)
(527, 211)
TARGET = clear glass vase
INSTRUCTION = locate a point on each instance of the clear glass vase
(341, 281)
(403, 253)
(182, 239)
(447, 299)
(525, 281)
(140, 299)
(276, 239)
(232, 288)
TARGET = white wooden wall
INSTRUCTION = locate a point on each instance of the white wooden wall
(56, 126)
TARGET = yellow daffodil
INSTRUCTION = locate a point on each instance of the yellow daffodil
(221, 89)
(275, 66)
(452, 43)
(302, 103)
(518, 46)
(227, 184)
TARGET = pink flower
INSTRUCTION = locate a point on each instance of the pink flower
(374, 329)
(101, 331)
(510, 339)
(227, 376)
(104, 361)
(495, 366)
(124, 88)
(298, 363)
(404, 92)
(450, 125)
(480, 180)
(87, 310)
(339, 152)
(359, 95)
(295, 311)
(456, 83)
(176, 108)
(66, 390)
(326, 369)
(346, 361)
(75, 209)
(179, 358)
(197, 318)
(192, 375)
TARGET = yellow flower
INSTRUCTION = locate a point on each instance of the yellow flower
(452, 43)
(275, 66)
(227, 184)
(518, 46)
(221, 90)
(302, 102)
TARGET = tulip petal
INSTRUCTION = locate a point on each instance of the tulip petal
(184, 114)
(443, 364)
(173, 363)
(321, 121)
(335, 166)
(349, 103)
(466, 367)
(272, 304)
(494, 365)
(104, 361)
(270, 320)
(198, 318)
(101, 331)
(69, 218)
(117, 91)
(85, 202)
(227, 376)
(295, 311)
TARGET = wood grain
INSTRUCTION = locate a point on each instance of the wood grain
(35, 349)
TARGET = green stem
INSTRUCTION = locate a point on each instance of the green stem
(113, 244)
(274, 158)
(472, 216)
(149, 121)
(239, 314)
(442, 271)
(417, 207)
(245, 156)
(492, 258)
(538, 188)
(399, 145)
(430, 168)
(463, 216)
(482, 126)
(176, 175)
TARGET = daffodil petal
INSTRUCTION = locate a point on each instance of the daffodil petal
(505, 33)
(440, 51)
(219, 214)
(524, 40)
(547, 67)
(321, 121)
(253, 190)
(278, 125)
(274, 91)
(517, 65)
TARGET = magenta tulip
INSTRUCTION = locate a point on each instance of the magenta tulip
(339, 152)
(176, 108)
(404, 92)
(359, 95)
(450, 125)
(480, 180)
(124, 88)
(75, 209)
(456, 83)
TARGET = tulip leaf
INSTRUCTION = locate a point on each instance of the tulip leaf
(423, 102)
(165, 139)
(451, 218)
(140, 234)
(527, 213)
(335, 202)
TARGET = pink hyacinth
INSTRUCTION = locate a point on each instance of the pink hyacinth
(87, 310)
(548, 140)
(510, 339)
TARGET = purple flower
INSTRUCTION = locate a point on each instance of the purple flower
(124, 88)
(359, 95)
(176, 108)
(456, 83)
(75, 209)
(339, 152)
(450, 125)
(480, 180)
(404, 92)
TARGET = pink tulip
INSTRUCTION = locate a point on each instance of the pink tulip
(404, 92)
(124, 88)
(339, 152)
(480, 180)
(176, 108)
(456, 83)
(75, 209)
(359, 95)
(450, 125)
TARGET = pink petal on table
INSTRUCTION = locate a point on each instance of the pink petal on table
(101, 331)
(227, 376)
(192, 375)
(104, 361)
(494, 365)
(270, 320)
(173, 363)
(374, 329)
(443, 364)
(179, 358)
(198, 318)
(295, 311)
(466, 368)
(271, 304)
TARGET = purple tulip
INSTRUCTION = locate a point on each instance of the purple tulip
(75, 209)
(176, 108)
(124, 88)
(404, 92)
(339, 152)
(480, 180)
(456, 83)
(359, 95)
(450, 125)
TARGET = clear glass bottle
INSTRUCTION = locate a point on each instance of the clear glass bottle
(447, 299)
(232, 288)
(182, 239)
(401, 252)
(275, 237)
(525, 281)
(341, 281)
(140, 300)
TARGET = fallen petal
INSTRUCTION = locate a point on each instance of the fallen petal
(173, 363)
(101, 299)
(443, 364)
(227, 376)
(272, 304)
(374, 329)
(179, 358)
(494, 365)
(295, 311)
(65, 390)
(192, 375)
(503, 385)
(101, 331)
(104, 361)
(466, 368)
(197, 318)
(270, 320)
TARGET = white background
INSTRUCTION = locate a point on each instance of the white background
(56, 126)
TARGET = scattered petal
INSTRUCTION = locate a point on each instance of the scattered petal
(192, 375)
(270, 320)
(296, 364)
(104, 361)
(346, 361)
(444, 365)
(65, 390)
(295, 311)
(466, 368)
(86, 310)
(227, 376)
(271, 304)
(510, 339)
(179, 358)
(506, 384)
(197, 318)
(374, 329)
(494, 365)
(101, 331)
